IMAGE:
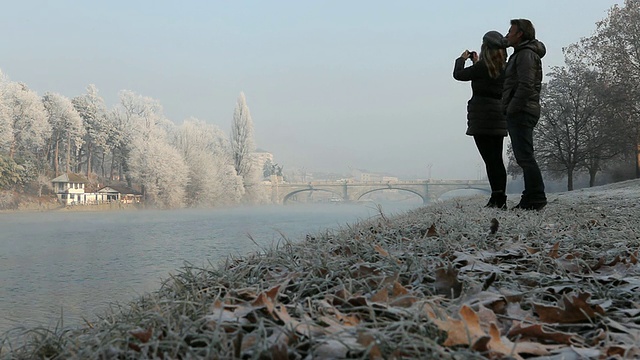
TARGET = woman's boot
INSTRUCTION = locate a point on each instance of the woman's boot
(497, 200)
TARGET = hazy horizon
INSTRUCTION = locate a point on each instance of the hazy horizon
(332, 86)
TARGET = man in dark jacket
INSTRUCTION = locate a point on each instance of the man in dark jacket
(521, 104)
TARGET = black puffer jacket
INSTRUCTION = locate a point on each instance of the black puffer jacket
(523, 79)
(484, 109)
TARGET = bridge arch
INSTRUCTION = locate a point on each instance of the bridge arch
(289, 195)
(424, 200)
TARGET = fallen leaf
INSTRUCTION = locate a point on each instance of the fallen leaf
(465, 331)
(380, 250)
(432, 231)
(381, 296)
(447, 283)
(493, 227)
(574, 309)
(501, 345)
(368, 341)
(554, 251)
(143, 335)
(537, 331)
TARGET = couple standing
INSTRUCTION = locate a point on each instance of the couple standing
(506, 98)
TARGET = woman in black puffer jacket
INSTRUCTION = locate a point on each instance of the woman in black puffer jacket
(485, 119)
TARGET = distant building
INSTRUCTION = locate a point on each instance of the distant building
(259, 158)
(118, 193)
(69, 188)
(365, 176)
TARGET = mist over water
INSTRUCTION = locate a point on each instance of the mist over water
(73, 265)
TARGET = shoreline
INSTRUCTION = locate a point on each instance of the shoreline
(402, 286)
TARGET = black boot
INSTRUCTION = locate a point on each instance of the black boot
(498, 200)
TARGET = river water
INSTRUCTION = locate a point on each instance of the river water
(72, 265)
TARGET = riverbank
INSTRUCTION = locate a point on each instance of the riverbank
(451, 280)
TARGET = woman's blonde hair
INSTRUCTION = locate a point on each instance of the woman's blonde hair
(495, 59)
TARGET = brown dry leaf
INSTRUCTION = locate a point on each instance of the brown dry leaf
(248, 341)
(633, 258)
(246, 294)
(493, 227)
(367, 340)
(280, 351)
(380, 250)
(364, 271)
(401, 297)
(432, 231)
(430, 310)
(143, 335)
(333, 325)
(574, 309)
(447, 283)
(339, 297)
(306, 328)
(381, 297)
(486, 316)
(264, 301)
(624, 351)
(399, 290)
(465, 331)
(536, 331)
(358, 301)
(331, 349)
(349, 320)
(554, 251)
(532, 251)
(501, 345)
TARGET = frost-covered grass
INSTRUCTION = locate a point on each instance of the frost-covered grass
(452, 280)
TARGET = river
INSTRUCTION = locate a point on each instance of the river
(72, 265)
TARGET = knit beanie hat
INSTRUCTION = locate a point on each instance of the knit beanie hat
(494, 40)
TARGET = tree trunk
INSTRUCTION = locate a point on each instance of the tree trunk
(570, 179)
(113, 162)
(592, 178)
(89, 154)
(68, 155)
(638, 161)
(102, 164)
(56, 152)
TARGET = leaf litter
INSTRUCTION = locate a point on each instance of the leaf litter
(452, 280)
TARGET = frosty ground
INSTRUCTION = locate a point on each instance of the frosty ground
(450, 280)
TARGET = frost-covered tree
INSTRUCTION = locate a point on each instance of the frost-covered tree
(23, 123)
(242, 149)
(242, 143)
(67, 129)
(93, 111)
(151, 160)
(212, 178)
(161, 171)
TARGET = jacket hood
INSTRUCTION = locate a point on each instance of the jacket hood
(534, 45)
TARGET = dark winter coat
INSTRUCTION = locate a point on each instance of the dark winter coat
(523, 79)
(484, 109)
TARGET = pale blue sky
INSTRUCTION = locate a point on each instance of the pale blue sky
(331, 85)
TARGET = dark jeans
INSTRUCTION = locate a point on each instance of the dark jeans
(490, 148)
(521, 133)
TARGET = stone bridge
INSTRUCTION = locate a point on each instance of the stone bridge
(428, 190)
